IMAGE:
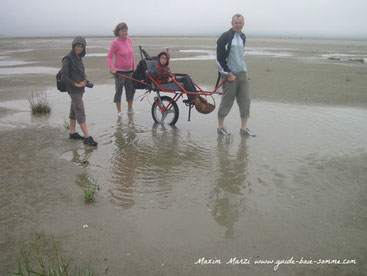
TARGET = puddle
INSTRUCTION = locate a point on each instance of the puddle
(4, 63)
(151, 165)
(28, 70)
(97, 55)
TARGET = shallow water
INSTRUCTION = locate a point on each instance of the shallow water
(28, 70)
(297, 189)
(301, 153)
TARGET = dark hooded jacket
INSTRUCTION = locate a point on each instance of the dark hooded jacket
(73, 67)
(224, 44)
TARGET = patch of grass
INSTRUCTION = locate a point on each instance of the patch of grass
(334, 58)
(42, 257)
(90, 188)
(66, 124)
(39, 104)
(89, 192)
(360, 60)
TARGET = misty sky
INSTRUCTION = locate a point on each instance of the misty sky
(299, 18)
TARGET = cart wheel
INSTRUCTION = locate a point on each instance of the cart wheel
(170, 116)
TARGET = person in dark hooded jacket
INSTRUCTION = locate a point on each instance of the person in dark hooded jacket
(73, 75)
(162, 68)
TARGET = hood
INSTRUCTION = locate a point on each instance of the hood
(80, 40)
(164, 53)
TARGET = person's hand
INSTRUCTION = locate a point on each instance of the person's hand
(232, 78)
(172, 78)
(113, 71)
(81, 84)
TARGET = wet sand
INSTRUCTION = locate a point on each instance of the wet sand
(172, 195)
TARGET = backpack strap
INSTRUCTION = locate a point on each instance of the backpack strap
(69, 59)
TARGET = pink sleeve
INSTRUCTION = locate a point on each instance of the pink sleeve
(110, 55)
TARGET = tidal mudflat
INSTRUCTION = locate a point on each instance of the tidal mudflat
(181, 200)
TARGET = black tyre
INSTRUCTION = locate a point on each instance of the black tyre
(170, 116)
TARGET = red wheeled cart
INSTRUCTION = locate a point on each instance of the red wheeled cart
(164, 108)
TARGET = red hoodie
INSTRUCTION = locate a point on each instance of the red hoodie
(163, 69)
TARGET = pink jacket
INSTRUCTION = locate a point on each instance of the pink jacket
(124, 55)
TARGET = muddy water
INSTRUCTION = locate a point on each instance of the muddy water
(297, 189)
(172, 195)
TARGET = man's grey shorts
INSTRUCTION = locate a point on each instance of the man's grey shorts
(77, 111)
(121, 82)
(238, 90)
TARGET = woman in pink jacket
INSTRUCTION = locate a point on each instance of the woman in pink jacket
(124, 63)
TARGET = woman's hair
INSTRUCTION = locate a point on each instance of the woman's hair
(119, 27)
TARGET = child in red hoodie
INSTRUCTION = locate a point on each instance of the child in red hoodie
(162, 68)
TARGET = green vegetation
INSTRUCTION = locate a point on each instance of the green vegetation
(88, 184)
(360, 60)
(66, 123)
(89, 190)
(42, 257)
(39, 104)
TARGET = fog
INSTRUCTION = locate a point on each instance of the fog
(311, 18)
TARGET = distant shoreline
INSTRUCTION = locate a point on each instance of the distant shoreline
(305, 38)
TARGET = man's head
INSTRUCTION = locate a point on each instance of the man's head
(237, 22)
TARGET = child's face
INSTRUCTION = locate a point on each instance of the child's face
(78, 48)
(163, 59)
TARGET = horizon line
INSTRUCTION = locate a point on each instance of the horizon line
(192, 35)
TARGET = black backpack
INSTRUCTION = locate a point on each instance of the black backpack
(59, 83)
(139, 74)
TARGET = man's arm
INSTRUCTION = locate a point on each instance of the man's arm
(222, 55)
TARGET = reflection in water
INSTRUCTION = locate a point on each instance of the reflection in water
(227, 198)
(81, 156)
(84, 180)
(143, 165)
(124, 162)
(150, 169)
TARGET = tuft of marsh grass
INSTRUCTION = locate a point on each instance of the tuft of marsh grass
(89, 192)
(360, 60)
(89, 186)
(90, 189)
(39, 104)
(334, 58)
(42, 257)
(66, 124)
